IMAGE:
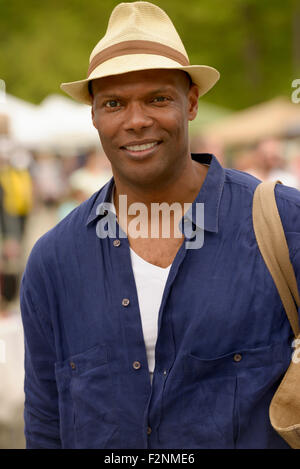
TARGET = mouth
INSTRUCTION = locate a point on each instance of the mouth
(139, 150)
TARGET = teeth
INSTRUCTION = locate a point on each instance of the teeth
(145, 146)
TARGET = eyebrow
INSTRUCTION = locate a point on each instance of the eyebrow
(161, 90)
(108, 96)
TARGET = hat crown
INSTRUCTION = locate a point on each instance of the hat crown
(139, 36)
(141, 21)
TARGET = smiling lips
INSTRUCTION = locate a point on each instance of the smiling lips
(136, 148)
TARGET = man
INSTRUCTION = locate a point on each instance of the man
(271, 153)
(154, 341)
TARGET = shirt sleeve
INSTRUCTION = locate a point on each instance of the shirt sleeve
(41, 413)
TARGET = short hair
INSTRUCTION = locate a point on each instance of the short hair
(90, 88)
(190, 78)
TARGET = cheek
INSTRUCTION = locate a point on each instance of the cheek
(176, 126)
(107, 130)
(170, 121)
(105, 123)
(176, 120)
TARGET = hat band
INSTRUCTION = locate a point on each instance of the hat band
(137, 47)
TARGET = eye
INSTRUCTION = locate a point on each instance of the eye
(160, 99)
(112, 104)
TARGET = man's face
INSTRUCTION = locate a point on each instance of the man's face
(270, 154)
(142, 120)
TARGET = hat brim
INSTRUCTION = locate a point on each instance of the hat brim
(203, 76)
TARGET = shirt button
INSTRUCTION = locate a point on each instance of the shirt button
(165, 373)
(136, 365)
(72, 365)
(149, 430)
(125, 302)
(237, 357)
(116, 243)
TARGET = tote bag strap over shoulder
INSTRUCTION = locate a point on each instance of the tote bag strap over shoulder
(274, 249)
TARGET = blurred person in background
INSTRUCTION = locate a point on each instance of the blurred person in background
(5, 146)
(93, 174)
(295, 162)
(2, 306)
(266, 161)
(202, 144)
(47, 175)
(270, 152)
(249, 162)
(15, 203)
(85, 181)
(17, 200)
(72, 199)
(69, 164)
(16, 182)
(50, 173)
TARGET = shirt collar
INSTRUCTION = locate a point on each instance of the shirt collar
(104, 195)
(209, 194)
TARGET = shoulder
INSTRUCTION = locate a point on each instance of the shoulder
(288, 203)
(240, 187)
(238, 191)
(288, 194)
(243, 181)
(240, 180)
(55, 243)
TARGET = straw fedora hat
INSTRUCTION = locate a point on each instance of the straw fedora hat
(139, 36)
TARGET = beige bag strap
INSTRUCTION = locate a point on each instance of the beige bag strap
(274, 249)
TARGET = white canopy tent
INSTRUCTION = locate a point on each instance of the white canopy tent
(24, 122)
(67, 125)
(58, 124)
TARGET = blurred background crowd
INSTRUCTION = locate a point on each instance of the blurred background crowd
(51, 159)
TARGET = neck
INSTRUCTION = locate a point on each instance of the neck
(183, 188)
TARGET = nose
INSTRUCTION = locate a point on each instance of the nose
(137, 118)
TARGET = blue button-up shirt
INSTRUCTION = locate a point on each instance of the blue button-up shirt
(223, 345)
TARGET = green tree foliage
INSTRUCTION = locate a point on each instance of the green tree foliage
(253, 43)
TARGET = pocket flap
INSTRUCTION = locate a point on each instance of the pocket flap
(239, 359)
(84, 361)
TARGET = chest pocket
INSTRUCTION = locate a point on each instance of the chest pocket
(86, 400)
(223, 393)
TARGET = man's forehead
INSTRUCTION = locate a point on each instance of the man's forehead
(154, 78)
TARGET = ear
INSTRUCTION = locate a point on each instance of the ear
(93, 116)
(193, 96)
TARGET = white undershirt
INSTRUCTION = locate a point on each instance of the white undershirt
(150, 283)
